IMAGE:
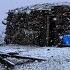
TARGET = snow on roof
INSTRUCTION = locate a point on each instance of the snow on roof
(45, 6)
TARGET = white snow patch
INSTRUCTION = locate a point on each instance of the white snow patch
(56, 58)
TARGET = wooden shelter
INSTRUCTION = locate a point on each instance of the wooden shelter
(37, 25)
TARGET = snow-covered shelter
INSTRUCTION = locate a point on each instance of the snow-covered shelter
(41, 24)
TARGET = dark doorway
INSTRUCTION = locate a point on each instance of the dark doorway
(52, 27)
(41, 40)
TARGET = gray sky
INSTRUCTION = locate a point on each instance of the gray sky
(5, 5)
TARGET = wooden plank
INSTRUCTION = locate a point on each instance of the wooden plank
(6, 62)
(47, 33)
(25, 57)
(21, 57)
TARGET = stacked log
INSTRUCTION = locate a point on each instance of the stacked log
(29, 26)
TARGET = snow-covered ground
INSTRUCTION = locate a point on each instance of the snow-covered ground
(56, 58)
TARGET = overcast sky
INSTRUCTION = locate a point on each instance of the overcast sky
(5, 5)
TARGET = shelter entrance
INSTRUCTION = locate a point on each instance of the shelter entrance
(52, 31)
(47, 37)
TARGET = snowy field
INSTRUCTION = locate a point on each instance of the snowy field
(56, 58)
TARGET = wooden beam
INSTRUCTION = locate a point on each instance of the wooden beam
(6, 62)
(25, 57)
(21, 57)
(47, 33)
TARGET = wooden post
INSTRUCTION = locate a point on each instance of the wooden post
(56, 29)
(47, 33)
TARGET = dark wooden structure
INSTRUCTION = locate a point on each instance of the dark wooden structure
(37, 25)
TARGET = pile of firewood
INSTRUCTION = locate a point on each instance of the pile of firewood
(29, 26)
